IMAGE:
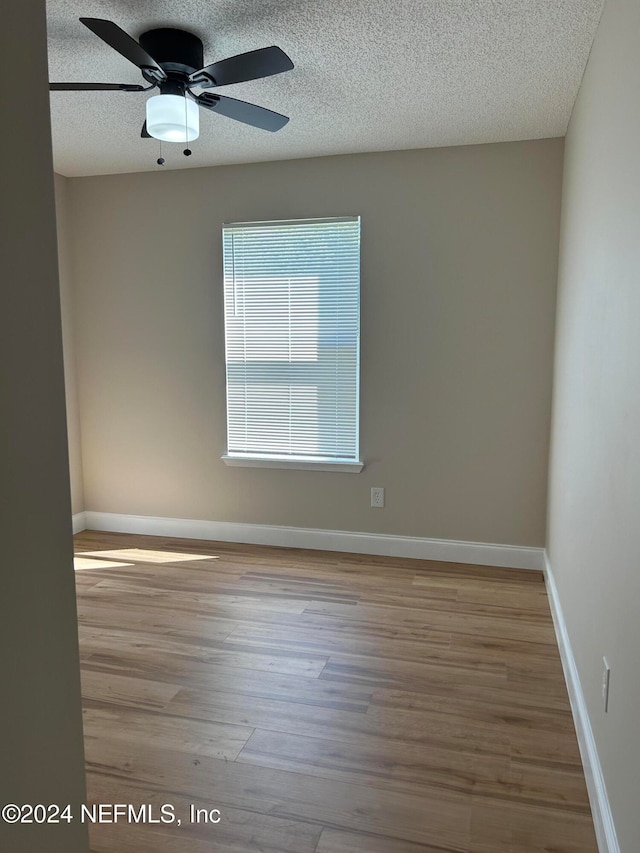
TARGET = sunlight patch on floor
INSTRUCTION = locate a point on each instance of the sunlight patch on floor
(139, 555)
(80, 563)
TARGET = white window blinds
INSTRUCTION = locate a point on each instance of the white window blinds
(292, 325)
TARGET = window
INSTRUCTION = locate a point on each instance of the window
(292, 329)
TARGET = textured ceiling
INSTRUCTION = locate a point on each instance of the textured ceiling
(368, 76)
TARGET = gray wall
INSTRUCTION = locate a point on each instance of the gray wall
(594, 507)
(459, 266)
(40, 720)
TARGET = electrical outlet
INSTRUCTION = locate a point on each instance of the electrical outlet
(377, 497)
(606, 674)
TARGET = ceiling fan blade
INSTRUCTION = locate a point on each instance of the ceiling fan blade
(116, 38)
(246, 66)
(95, 87)
(242, 111)
(145, 133)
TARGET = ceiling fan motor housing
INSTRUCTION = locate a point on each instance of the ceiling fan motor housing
(177, 51)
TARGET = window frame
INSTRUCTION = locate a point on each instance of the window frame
(238, 459)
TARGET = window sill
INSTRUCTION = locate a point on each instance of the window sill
(300, 464)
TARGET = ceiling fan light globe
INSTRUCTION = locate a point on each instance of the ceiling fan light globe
(173, 118)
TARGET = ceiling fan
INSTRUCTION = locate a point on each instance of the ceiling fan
(172, 60)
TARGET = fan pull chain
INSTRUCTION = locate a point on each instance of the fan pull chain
(187, 150)
(160, 160)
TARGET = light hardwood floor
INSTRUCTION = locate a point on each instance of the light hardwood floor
(324, 703)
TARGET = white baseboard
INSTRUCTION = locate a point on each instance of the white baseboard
(478, 553)
(79, 522)
(600, 807)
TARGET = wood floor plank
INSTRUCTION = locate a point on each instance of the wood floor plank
(330, 641)
(293, 796)
(344, 726)
(448, 671)
(510, 627)
(495, 709)
(143, 728)
(391, 766)
(505, 827)
(156, 593)
(496, 595)
(466, 572)
(499, 647)
(555, 749)
(165, 621)
(337, 841)
(122, 690)
(85, 581)
(239, 830)
(153, 649)
(326, 703)
(199, 674)
(562, 789)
